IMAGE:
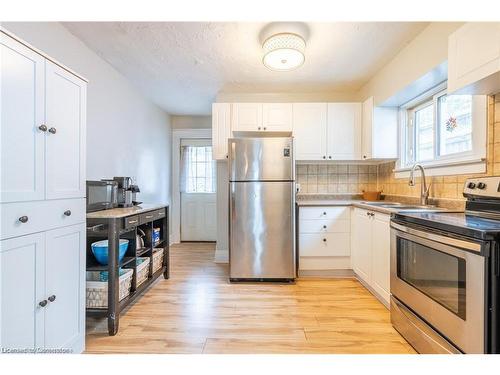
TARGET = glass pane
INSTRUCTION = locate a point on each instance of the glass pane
(455, 124)
(424, 133)
(438, 275)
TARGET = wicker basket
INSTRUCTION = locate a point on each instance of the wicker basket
(157, 259)
(142, 270)
(97, 291)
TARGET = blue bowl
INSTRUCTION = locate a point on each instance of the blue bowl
(100, 250)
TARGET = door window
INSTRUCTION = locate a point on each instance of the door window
(438, 275)
(198, 169)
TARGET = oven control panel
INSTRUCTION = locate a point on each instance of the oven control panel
(482, 187)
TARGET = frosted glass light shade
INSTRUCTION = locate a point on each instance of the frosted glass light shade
(284, 52)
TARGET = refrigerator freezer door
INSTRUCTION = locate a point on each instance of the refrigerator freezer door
(261, 159)
(262, 235)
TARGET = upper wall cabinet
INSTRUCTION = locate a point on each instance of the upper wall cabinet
(309, 129)
(379, 131)
(474, 59)
(344, 131)
(43, 127)
(254, 117)
(221, 129)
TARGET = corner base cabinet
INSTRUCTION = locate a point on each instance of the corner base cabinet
(42, 202)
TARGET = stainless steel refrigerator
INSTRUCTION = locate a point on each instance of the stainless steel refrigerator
(261, 209)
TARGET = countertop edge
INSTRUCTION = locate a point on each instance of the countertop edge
(121, 212)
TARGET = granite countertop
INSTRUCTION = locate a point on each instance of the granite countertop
(115, 213)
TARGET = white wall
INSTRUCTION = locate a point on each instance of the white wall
(127, 135)
(191, 122)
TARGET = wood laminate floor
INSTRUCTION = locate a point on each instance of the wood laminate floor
(198, 311)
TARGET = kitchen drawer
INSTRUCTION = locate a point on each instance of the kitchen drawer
(160, 213)
(147, 217)
(324, 244)
(41, 216)
(131, 221)
(313, 213)
(324, 226)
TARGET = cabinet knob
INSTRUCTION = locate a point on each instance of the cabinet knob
(23, 219)
(52, 130)
(329, 157)
(258, 128)
(324, 157)
(265, 128)
(43, 127)
(324, 226)
(67, 213)
(324, 239)
(52, 298)
(364, 156)
(43, 303)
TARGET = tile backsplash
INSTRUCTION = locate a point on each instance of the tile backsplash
(336, 178)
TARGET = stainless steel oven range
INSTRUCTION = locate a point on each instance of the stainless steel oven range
(445, 274)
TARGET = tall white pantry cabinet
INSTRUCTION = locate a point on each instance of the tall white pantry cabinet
(42, 202)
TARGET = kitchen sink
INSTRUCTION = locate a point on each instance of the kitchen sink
(404, 207)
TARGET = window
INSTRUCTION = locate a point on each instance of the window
(198, 169)
(440, 129)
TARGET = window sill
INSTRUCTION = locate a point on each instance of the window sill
(447, 168)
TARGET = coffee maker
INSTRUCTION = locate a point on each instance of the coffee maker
(127, 192)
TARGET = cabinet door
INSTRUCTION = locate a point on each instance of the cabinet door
(367, 125)
(247, 117)
(344, 131)
(65, 281)
(65, 115)
(21, 290)
(381, 252)
(309, 130)
(277, 117)
(362, 244)
(221, 129)
(473, 55)
(21, 141)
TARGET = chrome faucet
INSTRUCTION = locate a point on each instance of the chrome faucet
(424, 190)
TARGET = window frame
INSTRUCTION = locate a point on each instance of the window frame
(475, 159)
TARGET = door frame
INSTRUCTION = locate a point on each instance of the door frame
(177, 135)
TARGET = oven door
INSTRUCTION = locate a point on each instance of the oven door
(441, 279)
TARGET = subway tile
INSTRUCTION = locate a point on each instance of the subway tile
(332, 188)
(353, 169)
(322, 188)
(363, 169)
(302, 169)
(322, 169)
(342, 188)
(342, 169)
(343, 178)
(312, 188)
(332, 169)
(364, 178)
(312, 169)
(312, 179)
(322, 178)
(353, 178)
(333, 179)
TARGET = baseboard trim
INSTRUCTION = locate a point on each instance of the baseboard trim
(327, 273)
(373, 291)
(221, 256)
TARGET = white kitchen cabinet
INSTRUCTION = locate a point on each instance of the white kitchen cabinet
(21, 290)
(277, 117)
(23, 111)
(65, 287)
(309, 129)
(43, 290)
(474, 59)
(344, 131)
(65, 118)
(371, 250)
(221, 129)
(42, 238)
(247, 117)
(324, 237)
(379, 131)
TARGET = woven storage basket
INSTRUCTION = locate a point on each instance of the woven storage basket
(157, 259)
(142, 270)
(97, 291)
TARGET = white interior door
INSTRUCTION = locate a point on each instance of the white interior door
(198, 197)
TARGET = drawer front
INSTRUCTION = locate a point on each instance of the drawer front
(331, 213)
(160, 213)
(324, 226)
(327, 244)
(131, 221)
(147, 217)
(40, 216)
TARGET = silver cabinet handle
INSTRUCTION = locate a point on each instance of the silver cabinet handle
(67, 213)
(132, 222)
(43, 127)
(52, 130)
(149, 216)
(52, 298)
(23, 219)
(42, 303)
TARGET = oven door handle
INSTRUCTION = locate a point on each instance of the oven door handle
(472, 246)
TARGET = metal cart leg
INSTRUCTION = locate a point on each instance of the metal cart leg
(113, 278)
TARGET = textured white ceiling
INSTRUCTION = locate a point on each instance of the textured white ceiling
(182, 66)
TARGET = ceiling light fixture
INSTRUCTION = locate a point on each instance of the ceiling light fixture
(284, 51)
